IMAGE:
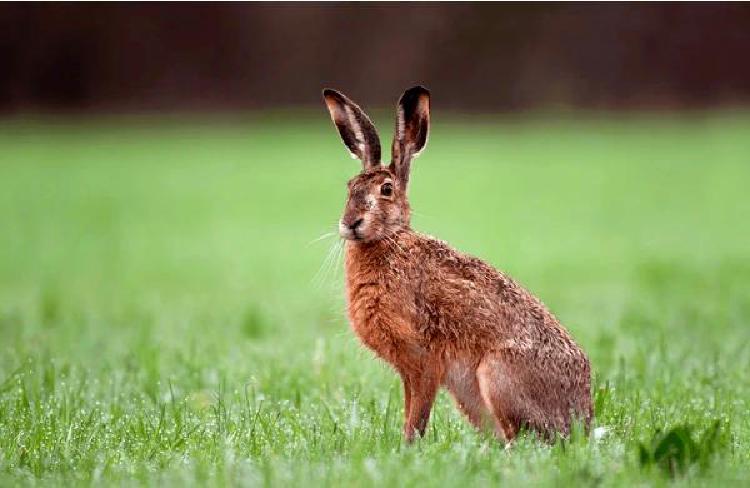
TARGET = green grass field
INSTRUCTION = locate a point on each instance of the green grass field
(166, 318)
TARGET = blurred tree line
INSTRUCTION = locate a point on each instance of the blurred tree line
(101, 57)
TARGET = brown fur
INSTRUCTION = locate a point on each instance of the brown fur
(443, 318)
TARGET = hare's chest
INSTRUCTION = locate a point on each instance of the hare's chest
(377, 320)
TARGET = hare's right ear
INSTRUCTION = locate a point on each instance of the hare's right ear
(355, 128)
(412, 127)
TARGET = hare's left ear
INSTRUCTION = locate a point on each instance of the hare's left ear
(356, 130)
(410, 136)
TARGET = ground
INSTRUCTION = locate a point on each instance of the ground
(168, 314)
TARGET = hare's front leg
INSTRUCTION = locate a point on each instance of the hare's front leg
(422, 384)
(407, 395)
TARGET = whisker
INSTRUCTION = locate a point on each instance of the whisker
(336, 263)
(320, 238)
(340, 258)
(420, 214)
(319, 275)
(329, 266)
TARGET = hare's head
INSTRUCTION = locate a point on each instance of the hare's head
(377, 205)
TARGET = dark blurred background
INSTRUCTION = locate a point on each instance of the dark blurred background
(494, 57)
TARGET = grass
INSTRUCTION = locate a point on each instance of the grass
(166, 319)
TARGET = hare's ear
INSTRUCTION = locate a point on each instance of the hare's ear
(355, 128)
(412, 126)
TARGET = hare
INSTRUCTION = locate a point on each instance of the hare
(441, 317)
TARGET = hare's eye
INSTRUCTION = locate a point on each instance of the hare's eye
(386, 189)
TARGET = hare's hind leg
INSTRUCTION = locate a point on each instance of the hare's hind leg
(500, 397)
(461, 381)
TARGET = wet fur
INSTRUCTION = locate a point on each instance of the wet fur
(442, 318)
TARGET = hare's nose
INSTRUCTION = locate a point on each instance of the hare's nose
(355, 224)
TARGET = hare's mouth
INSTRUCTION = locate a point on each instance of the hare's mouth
(352, 231)
(352, 235)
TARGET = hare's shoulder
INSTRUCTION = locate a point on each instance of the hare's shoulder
(444, 264)
(439, 256)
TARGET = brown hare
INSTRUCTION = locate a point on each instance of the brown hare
(438, 316)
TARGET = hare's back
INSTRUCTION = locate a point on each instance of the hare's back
(481, 301)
